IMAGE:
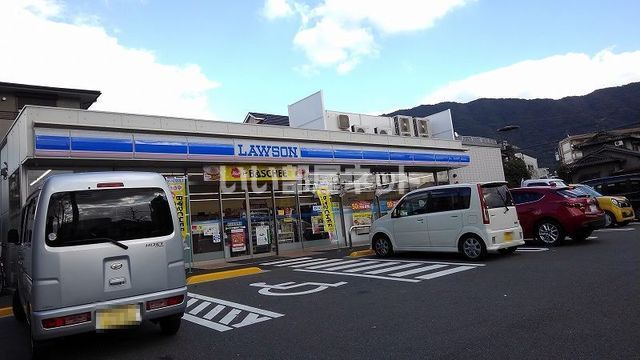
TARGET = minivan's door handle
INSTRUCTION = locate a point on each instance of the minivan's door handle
(420, 220)
(454, 215)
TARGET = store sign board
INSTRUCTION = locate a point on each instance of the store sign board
(177, 185)
(326, 209)
(254, 149)
(254, 172)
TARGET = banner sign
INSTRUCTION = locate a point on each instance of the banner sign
(326, 209)
(254, 172)
(177, 185)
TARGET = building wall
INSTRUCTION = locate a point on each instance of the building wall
(485, 165)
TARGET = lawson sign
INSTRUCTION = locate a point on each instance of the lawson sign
(258, 150)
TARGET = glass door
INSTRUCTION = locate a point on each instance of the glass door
(262, 221)
(205, 219)
(287, 217)
(235, 224)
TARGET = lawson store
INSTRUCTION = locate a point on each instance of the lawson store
(245, 190)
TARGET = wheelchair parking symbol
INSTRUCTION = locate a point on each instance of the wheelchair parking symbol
(285, 289)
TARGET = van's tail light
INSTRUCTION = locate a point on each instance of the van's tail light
(110, 185)
(483, 206)
(66, 320)
(160, 303)
(575, 205)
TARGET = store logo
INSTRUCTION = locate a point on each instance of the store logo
(253, 150)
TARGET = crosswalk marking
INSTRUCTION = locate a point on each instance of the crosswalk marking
(285, 261)
(418, 270)
(395, 270)
(342, 262)
(303, 261)
(215, 311)
(232, 313)
(317, 262)
(445, 272)
(368, 267)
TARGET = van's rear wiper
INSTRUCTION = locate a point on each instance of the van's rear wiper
(504, 201)
(114, 242)
(118, 243)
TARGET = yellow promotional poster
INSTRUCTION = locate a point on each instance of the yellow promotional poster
(326, 209)
(254, 172)
(179, 193)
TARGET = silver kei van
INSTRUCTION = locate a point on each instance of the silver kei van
(99, 251)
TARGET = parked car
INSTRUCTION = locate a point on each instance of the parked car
(99, 251)
(549, 214)
(622, 185)
(617, 209)
(543, 182)
(471, 219)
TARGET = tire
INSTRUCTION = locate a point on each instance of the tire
(507, 251)
(609, 219)
(18, 312)
(382, 246)
(550, 232)
(472, 247)
(170, 324)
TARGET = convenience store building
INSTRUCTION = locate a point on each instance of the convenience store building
(247, 189)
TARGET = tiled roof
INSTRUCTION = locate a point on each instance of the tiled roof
(269, 119)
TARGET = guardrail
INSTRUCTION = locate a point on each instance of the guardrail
(355, 227)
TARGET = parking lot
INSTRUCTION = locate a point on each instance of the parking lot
(577, 300)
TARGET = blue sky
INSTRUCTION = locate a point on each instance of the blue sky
(221, 59)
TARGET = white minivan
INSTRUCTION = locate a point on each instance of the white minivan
(99, 251)
(468, 218)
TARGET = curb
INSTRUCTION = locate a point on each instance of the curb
(362, 253)
(4, 312)
(196, 279)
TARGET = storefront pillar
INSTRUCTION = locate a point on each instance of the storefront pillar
(275, 218)
(247, 213)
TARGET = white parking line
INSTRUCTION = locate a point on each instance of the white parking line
(531, 249)
(358, 275)
(418, 270)
(342, 262)
(426, 262)
(285, 261)
(302, 262)
(445, 272)
(318, 262)
(393, 268)
(615, 229)
(369, 267)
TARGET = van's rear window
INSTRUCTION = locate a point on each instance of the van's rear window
(496, 196)
(95, 216)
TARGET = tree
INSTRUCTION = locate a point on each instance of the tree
(515, 170)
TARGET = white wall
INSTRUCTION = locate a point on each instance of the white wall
(485, 165)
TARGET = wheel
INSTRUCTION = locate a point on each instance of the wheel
(609, 219)
(582, 236)
(18, 312)
(550, 232)
(507, 251)
(472, 248)
(382, 246)
(171, 324)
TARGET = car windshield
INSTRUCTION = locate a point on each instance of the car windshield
(96, 216)
(588, 190)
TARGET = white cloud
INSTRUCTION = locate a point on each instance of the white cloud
(338, 33)
(81, 54)
(274, 9)
(552, 77)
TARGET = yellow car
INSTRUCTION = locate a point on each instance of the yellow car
(617, 209)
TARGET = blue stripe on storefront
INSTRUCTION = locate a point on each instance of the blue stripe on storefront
(52, 142)
(57, 142)
(398, 156)
(347, 154)
(316, 153)
(375, 155)
(161, 147)
(101, 144)
(211, 149)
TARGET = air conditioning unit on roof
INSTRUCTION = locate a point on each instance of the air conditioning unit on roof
(358, 129)
(343, 122)
(383, 131)
(421, 127)
(403, 125)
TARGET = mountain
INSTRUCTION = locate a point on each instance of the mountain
(543, 122)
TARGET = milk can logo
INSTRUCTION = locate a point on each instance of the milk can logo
(269, 151)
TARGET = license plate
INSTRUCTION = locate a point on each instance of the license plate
(117, 317)
(508, 236)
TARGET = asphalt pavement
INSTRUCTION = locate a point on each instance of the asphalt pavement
(574, 301)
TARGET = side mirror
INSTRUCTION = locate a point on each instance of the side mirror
(13, 237)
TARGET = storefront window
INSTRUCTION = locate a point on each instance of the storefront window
(205, 218)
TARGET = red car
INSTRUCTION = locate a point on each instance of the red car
(549, 214)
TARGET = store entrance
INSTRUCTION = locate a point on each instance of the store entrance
(262, 221)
